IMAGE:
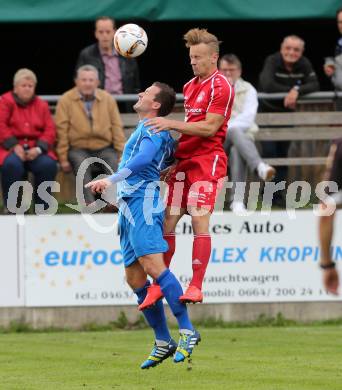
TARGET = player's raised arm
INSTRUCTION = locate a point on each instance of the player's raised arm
(144, 157)
(206, 128)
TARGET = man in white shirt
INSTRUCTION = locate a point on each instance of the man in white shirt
(241, 129)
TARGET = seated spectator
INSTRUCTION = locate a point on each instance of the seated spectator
(333, 65)
(88, 125)
(117, 74)
(287, 71)
(239, 143)
(27, 137)
(290, 72)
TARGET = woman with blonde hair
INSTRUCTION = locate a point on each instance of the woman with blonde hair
(27, 136)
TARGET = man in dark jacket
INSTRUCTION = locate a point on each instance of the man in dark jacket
(117, 74)
(286, 71)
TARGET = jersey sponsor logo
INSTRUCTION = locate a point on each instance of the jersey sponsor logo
(200, 97)
(193, 110)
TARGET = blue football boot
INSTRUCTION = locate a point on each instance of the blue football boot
(159, 353)
(186, 345)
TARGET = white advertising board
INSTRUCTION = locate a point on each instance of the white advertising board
(11, 264)
(260, 258)
(68, 263)
(254, 259)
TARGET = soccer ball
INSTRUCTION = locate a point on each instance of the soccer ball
(130, 40)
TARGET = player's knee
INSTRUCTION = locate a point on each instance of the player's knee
(200, 224)
(153, 265)
(135, 281)
(150, 270)
(171, 220)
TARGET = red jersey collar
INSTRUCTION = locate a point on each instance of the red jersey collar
(209, 77)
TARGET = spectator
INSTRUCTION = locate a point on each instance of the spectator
(333, 65)
(88, 125)
(290, 72)
(287, 71)
(27, 137)
(117, 74)
(239, 142)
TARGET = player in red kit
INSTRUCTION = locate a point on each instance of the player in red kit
(201, 159)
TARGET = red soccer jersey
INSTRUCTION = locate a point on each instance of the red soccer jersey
(214, 95)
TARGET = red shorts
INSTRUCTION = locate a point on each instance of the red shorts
(196, 181)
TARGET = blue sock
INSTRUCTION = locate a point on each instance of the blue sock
(172, 290)
(155, 316)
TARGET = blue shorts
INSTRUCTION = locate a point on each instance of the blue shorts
(140, 234)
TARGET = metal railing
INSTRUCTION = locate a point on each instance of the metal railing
(324, 95)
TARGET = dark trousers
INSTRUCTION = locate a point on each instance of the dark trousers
(44, 168)
(77, 157)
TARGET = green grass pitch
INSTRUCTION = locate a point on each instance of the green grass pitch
(286, 358)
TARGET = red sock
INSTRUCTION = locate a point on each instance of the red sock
(170, 238)
(201, 251)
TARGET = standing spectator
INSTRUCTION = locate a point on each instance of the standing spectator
(239, 144)
(290, 72)
(88, 125)
(117, 74)
(333, 65)
(27, 137)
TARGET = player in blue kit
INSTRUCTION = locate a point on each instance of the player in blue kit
(141, 224)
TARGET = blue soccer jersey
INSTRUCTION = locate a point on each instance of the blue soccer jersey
(139, 184)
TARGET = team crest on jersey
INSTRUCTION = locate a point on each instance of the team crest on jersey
(200, 97)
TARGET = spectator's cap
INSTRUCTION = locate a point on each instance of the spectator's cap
(24, 73)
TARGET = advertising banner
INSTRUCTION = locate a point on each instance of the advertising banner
(71, 261)
(260, 258)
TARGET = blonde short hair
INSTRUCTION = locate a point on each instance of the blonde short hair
(24, 73)
(196, 36)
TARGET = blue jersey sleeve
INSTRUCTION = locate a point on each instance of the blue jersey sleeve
(144, 157)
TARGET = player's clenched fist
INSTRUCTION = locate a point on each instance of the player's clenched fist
(331, 280)
(98, 185)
